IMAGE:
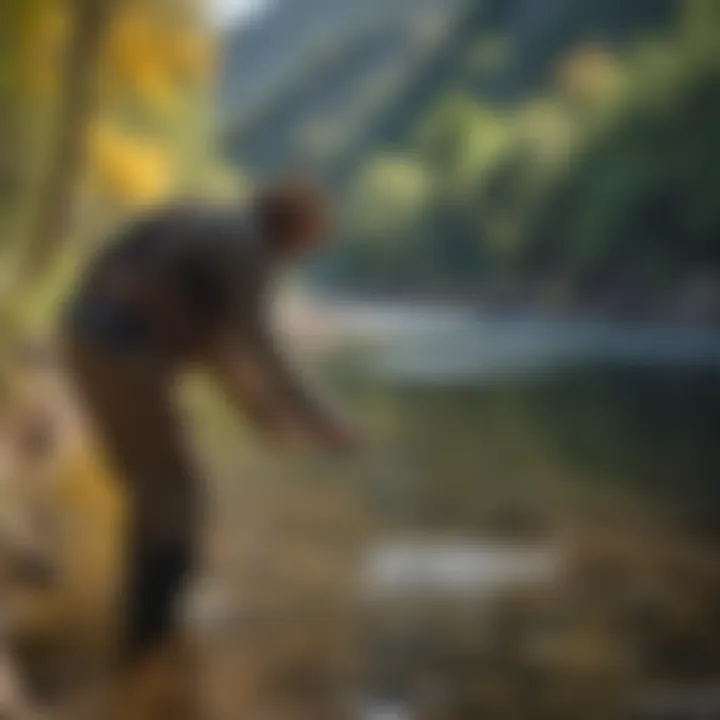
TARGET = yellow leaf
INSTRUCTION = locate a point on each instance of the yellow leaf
(193, 54)
(127, 168)
(138, 58)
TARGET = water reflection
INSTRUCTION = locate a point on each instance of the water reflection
(383, 710)
(456, 345)
(518, 403)
(424, 569)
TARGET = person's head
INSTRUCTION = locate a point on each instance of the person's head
(294, 217)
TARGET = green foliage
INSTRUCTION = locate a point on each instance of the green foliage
(613, 173)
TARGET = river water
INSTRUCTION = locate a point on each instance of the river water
(468, 403)
(501, 439)
(531, 531)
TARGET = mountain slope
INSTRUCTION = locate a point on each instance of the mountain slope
(320, 82)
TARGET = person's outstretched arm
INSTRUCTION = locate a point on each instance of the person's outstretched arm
(259, 379)
(288, 222)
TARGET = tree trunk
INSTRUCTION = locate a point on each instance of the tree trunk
(14, 17)
(56, 199)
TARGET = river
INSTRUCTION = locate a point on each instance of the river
(539, 512)
(501, 401)
(504, 437)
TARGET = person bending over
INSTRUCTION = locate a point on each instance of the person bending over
(188, 284)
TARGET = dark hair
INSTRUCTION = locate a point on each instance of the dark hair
(284, 207)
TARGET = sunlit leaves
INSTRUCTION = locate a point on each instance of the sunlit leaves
(154, 59)
(701, 23)
(612, 169)
(588, 75)
(128, 168)
(390, 194)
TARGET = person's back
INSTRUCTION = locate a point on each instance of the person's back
(168, 278)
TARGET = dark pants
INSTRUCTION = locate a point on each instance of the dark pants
(125, 386)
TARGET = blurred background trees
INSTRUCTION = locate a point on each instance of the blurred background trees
(555, 153)
(598, 189)
(566, 152)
